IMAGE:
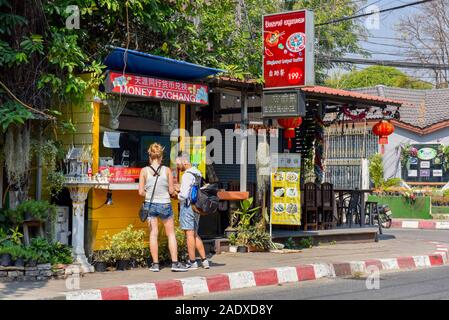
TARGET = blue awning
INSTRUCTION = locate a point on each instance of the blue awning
(155, 66)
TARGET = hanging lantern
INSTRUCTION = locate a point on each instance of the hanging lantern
(289, 125)
(383, 129)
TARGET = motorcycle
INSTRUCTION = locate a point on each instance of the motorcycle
(383, 217)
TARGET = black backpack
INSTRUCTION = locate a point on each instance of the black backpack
(206, 200)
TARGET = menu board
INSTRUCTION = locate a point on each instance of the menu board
(285, 189)
(425, 163)
(289, 103)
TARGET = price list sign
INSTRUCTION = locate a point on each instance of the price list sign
(288, 42)
(283, 104)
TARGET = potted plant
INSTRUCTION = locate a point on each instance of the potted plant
(100, 260)
(17, 255)
(245, 213)
(259, 240)
(36, 210)
(231, 229)
(232, 243)
(122, 259)
(31, 258)
(5, 257)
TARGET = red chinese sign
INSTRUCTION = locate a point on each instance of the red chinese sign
(135, 85)
(122, 175)
(288, 59)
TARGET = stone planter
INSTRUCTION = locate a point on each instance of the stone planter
(233, 249)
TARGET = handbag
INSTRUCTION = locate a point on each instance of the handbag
(143, 212)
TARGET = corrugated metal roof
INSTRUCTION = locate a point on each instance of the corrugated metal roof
(421, 108)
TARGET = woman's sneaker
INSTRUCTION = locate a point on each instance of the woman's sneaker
(178, 267)
(192, 265)
(154, 267)
(205, 264)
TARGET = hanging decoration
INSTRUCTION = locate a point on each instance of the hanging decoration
(383, 129)
(354, 117)
(289, 125)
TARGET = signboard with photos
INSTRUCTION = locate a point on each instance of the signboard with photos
(288, 44)
(425, 163)
(285, 189)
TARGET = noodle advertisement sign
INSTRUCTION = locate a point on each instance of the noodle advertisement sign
(161, 89)
(285, 189)
(288, 57)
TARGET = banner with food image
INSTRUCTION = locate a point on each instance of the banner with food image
(285, 189)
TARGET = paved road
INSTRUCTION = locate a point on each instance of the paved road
(429, 284)
(430, 235)
(423, 285)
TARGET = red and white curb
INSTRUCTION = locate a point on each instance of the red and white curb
(265, 277)
(420, 224)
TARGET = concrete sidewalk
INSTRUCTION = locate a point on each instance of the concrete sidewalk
(388, 247)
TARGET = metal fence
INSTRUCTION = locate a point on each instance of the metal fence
(344, 155)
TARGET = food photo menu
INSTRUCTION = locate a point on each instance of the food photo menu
(285, 189)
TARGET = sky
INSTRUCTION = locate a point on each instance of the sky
(381, 42)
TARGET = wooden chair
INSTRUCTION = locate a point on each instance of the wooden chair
(311, 204)
(327, 206)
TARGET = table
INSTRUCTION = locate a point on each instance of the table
(340, 199)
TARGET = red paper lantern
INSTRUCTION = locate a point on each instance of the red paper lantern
(289, 125)
(383, 129)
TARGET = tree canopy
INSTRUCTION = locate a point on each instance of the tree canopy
(42, 61)
(376, 75)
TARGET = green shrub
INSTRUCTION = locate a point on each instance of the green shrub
(376, 170)
(51, 252)
(305, 243)
(392, 182)
(127, 244)
(164, 253)
(290, 244)
(254, 236)
(232, 239)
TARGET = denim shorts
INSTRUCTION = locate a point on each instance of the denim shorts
(161, 210)
(188, 219)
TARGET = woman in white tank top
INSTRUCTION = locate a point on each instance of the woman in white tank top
(156, 185)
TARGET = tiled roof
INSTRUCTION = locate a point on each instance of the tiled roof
(421, 109)
(351, 94)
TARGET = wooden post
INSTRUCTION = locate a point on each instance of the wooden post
(244, 142)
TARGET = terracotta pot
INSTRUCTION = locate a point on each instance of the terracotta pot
(255, 249)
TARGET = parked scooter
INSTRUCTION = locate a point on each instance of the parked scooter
(385, 216)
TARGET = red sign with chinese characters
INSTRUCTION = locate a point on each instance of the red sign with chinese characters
(122, 175)
(135, 85)
(288, 49)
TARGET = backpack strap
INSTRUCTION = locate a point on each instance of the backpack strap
(196, 177)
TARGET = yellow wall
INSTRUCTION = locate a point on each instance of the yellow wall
(123, 212)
